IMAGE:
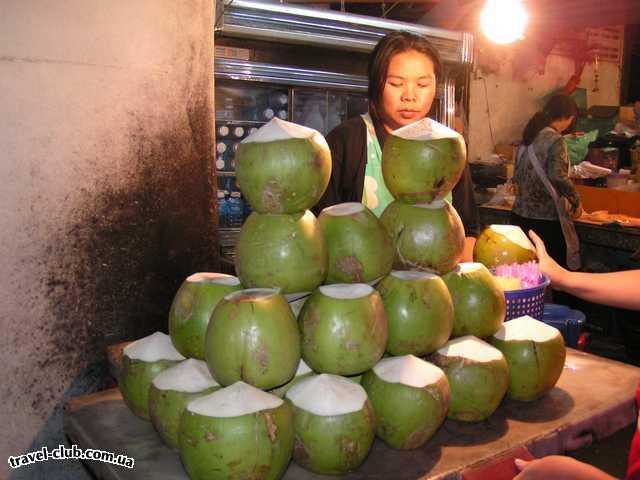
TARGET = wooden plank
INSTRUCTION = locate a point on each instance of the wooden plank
(593, 399)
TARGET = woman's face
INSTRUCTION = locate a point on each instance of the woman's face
(409, 89)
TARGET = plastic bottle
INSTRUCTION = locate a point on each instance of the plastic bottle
(223, 210)
(267, 114)
(236, 214)
(247, 208)
(278, 100)
(223, 131)
(238, 132)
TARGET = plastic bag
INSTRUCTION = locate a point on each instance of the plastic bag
(578, 146)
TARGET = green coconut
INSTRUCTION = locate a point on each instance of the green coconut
(281, 251)
(479, 302)
(426, 236)
(192, 307)
(419, 310)
(334, 424)
(535, 353)
(238, 432)
(142, 360)
(360, 249)
(503, 245)
(344, 329)
(410, 398)
(422, 162)
(283, 167)
(478, 377)
(171, 391)
(253, 337)
(302, 372)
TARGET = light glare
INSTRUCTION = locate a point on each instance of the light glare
(503, 21)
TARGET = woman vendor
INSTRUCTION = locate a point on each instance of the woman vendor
(403, 73)
(546, 199)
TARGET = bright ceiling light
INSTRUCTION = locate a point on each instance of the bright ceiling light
(503, 21)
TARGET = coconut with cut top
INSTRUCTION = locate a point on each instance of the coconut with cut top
(142, 360)
(283, 167)
(360, 249)
(425, 236)
(192, 307)
(419, 310)
(535, 353)
(479, 304)
(302, 372)
(503, 245)
(287, 252)
(422, 162)
(410, 398)
(236, 432)
(334, 424)
(344, 329)
(171, 391)
(253, 337)
(478, 377)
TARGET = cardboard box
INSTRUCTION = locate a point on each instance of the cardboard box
(626, 114)
(507, 151)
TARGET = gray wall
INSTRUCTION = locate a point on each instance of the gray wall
(105, 204)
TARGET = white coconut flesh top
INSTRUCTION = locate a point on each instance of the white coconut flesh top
(472, 348)
(526, 328)
(514, 234)
(344, 209)
(408, 370)
(410, 275)
(327, 395)
(469, 267)
(346, 291)
(189, 376)
(425, 129)
(253, 294)
(156, 346)
(278, 129)
(234, 401)
(436, 204)
(303, 369)
(207, 277)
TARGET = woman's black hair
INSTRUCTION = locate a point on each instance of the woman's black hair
(387, 47)
(557, 107)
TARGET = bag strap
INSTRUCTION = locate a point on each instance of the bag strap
(566, 223)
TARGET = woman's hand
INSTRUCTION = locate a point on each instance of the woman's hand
(577, 213)
(557, 467)
(548, 265)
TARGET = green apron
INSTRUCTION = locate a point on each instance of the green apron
(375, 195)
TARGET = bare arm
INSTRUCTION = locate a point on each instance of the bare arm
(557, 467)
(617, 289)
(467, 253)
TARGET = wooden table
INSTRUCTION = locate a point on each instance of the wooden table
(593, 399)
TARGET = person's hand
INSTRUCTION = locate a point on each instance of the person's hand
(577, 213)
(557, 467)
(548, 265)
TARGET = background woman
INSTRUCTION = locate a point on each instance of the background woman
(534, 207)
(403, 73)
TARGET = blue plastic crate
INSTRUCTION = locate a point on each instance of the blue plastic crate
(569, 322)
(528, 301)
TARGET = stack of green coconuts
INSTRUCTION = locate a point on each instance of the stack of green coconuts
(319, 345)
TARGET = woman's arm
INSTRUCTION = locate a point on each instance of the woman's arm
(558, 172)
(557, 467)
(465, 204)
(617, 289)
